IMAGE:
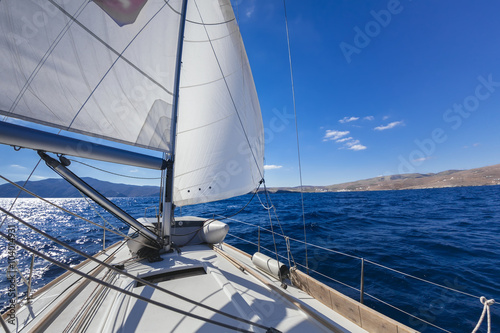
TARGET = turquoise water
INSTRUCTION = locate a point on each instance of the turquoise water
(448, 236)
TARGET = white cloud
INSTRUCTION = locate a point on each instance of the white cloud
(473, 145)
(348, 119)
(346, 142)
(345, 139)
(370, 118)
(19, 167)
(352, 143)
(389, 126)
(334, 135)
(272, 167)
(357, 147)
(250, 10)
(385, 117)
(422, 159)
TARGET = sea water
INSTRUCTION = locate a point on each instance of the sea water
(449, 236)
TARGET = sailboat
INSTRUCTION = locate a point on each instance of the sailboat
(173, 78)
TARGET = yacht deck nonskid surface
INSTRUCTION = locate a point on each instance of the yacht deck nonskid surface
(225, 287)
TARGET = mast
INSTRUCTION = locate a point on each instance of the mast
(168, 208)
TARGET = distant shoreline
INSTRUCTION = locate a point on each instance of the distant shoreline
(485, 176)
(279, 191)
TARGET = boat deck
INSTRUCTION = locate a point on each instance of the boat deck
(221, 277)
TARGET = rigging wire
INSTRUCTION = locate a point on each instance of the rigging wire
(271, 205)
(78, 280)
(271, 222)
(106, 222)
(74, 214)
(20, 190)
(297, 134)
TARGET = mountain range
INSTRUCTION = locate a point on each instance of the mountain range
(489, 175)
(59, 188)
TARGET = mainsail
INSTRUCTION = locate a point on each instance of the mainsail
(106, 69)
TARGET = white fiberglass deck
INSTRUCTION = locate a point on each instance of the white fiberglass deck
(211, 279)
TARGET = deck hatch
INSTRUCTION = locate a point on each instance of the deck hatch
(172, 275)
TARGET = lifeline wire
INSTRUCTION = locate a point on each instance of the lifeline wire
(74, 214)
(297, 134)
(366, 261)
(20, 190)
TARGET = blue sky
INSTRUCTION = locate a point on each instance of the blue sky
(382, 87)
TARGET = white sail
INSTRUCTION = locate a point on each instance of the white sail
(220, 136)
(106, 68)
(103, 68)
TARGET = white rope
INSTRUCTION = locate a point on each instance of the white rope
(487, 303)
(262, 204)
